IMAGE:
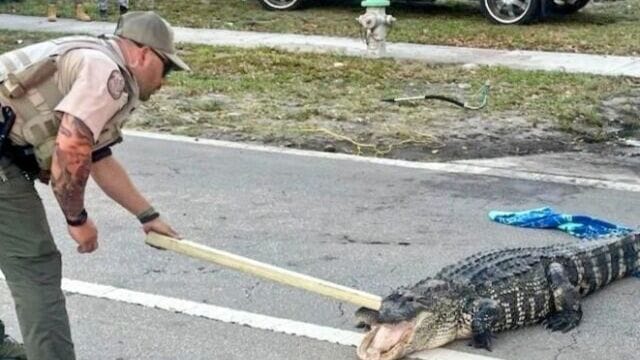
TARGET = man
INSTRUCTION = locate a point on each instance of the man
(103, 6)
(70, 97)
(81, 14)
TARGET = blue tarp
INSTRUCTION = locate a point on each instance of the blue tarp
(581, 226)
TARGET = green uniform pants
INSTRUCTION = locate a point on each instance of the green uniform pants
(32, 266)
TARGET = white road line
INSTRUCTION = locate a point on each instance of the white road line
(433, 166)
(231, 316)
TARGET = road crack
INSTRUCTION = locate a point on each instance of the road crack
(574, 342)
(248, 291)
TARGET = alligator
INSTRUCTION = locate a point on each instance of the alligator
(494, 291)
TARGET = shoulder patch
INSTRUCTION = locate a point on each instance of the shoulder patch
(115, 84)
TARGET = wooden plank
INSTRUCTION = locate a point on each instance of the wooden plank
(265, 271)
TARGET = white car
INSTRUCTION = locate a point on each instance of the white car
(504, 12)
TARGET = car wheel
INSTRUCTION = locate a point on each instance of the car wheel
(281, 4)
(567, 9)
(509, 12)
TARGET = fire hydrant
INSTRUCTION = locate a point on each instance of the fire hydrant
(376, 25)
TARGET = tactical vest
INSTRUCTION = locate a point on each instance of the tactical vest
(28, 80)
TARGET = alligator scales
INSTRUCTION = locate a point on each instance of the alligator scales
(495, 291)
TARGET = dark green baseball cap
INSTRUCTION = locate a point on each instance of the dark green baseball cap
(149, 29)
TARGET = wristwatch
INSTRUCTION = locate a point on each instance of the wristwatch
(148, 215)
(80, 220)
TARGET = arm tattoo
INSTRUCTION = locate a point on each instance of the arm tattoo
(71, 165)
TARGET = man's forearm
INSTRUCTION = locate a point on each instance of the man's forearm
(71, 165)
(115, 182)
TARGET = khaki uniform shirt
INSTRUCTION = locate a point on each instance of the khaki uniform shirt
(94, 88)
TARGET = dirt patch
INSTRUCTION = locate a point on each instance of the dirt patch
(622, 114)
(485, 137)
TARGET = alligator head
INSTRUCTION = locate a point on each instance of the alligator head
(409, 320)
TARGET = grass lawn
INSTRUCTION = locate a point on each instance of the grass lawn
(605, 27)
(291, 99)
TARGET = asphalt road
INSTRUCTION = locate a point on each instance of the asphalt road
(369, 226)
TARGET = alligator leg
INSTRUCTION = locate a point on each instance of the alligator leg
(486, 314)
(566, 301)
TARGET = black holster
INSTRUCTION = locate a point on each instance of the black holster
(22, 156)
(25, 159)
(8, 118)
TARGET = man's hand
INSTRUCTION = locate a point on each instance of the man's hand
(159, 226)
(86, 235)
